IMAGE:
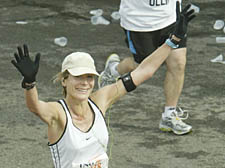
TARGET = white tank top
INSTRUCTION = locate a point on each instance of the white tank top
(78, 149)
(147, 15)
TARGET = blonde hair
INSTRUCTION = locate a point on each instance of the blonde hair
(59, 77)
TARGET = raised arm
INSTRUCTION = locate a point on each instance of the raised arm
(150, 65)
(28, 69)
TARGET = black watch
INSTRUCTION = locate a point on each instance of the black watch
(174, 41)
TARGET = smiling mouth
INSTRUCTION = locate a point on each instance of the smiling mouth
(83, 90)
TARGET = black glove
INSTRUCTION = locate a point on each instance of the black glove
(183, 18)
(25, 65)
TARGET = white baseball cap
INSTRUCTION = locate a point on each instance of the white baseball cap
(79, 63)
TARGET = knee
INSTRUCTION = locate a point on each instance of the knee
(177, 66)
(127, 65)
(180, 66)
(132, 64)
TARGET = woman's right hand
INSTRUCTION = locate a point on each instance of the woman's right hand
(25, 65)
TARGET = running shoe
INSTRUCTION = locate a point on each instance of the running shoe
(175, 124)
(106, 77)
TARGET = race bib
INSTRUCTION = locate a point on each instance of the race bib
(98, 162)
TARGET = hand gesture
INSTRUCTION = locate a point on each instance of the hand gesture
(25, 65)
(183, 18)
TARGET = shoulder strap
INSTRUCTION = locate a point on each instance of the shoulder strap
(64, 105)
(94, 105)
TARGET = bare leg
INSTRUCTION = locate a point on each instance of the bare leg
(175, 76)
(126, 65)
(172, 87)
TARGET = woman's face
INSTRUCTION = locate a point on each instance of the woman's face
(79, 87)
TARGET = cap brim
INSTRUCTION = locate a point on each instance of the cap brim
(82, 71)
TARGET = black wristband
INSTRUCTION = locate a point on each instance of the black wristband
(128, 82)
(28, 86)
